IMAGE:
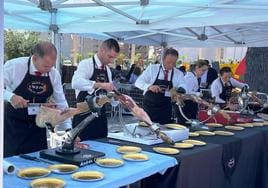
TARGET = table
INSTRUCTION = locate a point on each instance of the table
(129, 173)
(226, 162)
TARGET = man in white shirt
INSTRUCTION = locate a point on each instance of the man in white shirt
(221, 88)
(155, 82)
(30, 80)
(94, 77)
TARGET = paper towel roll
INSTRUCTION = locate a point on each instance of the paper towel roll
(8, 167)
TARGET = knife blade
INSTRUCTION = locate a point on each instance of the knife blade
(33, 158)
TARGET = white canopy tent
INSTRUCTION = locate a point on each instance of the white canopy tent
(182, 23)
(253, 35)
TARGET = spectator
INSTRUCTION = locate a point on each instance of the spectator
(136, 73)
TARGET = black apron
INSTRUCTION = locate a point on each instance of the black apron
(190, 108)
(226, 93)
(98, 127)
(21, 135)
(157, 105)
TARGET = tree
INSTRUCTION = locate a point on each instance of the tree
(18, 44)
(257, 69)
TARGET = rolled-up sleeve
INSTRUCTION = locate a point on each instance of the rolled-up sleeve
(216, 90)
(144, 81)
(8, 78)
(190, 85)
(84, 72)
(59, 98)
(181, 81)
(238, 84)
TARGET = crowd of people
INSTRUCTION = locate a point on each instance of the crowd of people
(33, 79)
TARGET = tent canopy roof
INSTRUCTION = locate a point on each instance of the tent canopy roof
(148, 22)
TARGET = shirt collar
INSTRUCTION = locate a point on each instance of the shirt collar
(163, 67)
(32, 66)
(224, 81)
(33, 69)
(97, 60)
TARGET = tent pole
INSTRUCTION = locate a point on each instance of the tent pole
(55, 37)
(2, 88)
(133, 49)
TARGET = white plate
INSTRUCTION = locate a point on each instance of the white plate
(33, 173)
(82, 176)
(118, 164)
(128, 149)
(137, 157)
(258, 120)
(63, 168)
(224, 133)
(166, 150)
(48, 182)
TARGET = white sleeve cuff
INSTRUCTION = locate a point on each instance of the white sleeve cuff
(146, 87)
(8, 95)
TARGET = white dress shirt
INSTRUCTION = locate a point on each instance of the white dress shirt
(216, 88)
(15, 71)
(204, 78)
(191, 84)
(148, 77)
(85, 69)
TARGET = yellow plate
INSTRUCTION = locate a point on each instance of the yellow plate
(248, 125)
(224, 133)
(128, 149)
(258, 124)
(135, 157)
(88, 176)
(214, 124)
(109, 162)
(193, 134)
(205, 133)
(234, 128)
(33, 173)
(175, 126)
(63, 168)
(195, 142)
(183, 145)
(48, 183)
(166, 150)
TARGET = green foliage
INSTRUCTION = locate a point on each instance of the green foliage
(18, 44)
(137, 56)
(90, 54)
(79, 57)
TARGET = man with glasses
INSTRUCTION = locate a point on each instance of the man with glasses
(29, 81)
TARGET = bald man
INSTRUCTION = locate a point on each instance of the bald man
(30, 80)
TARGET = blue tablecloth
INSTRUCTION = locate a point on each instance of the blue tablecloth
(129, 173)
